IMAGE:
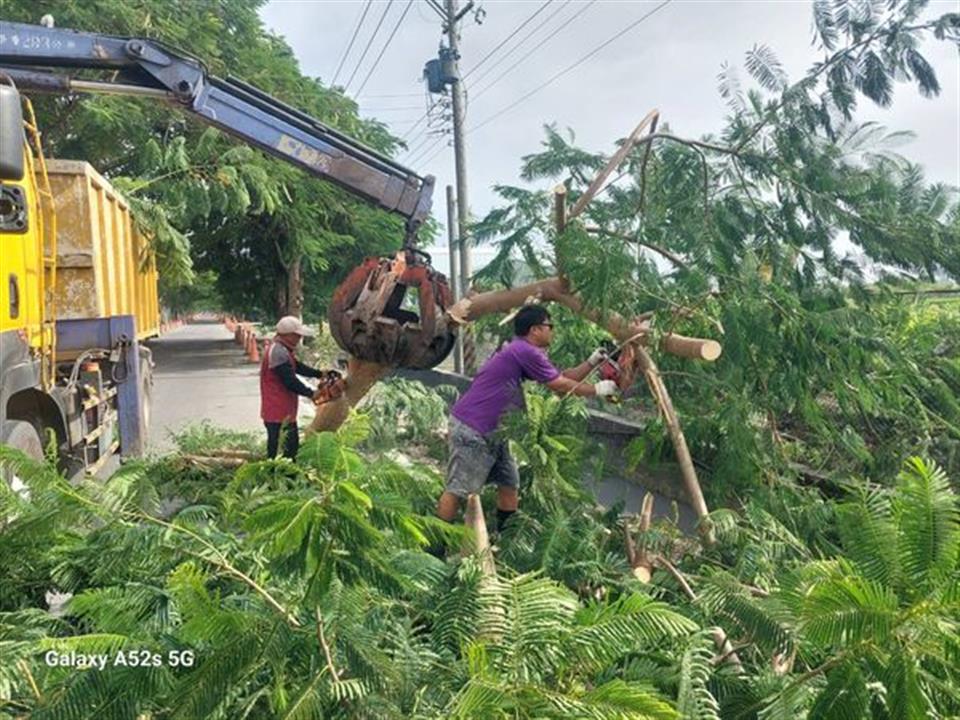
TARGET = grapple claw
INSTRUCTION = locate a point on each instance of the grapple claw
(368, 320)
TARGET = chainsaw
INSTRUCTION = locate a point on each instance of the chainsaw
(331, 386)
(618, 363)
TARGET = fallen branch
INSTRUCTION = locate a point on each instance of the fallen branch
(689, 473)
(641, 563)
(727, 652)
(676, 260)
(213, 460)
(618, 157)
(477, 540)
(557, 290)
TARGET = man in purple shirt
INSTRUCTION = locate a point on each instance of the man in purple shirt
(476, 455)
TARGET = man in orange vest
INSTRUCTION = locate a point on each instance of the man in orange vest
(280, 389)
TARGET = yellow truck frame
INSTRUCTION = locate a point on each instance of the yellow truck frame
(78, 295)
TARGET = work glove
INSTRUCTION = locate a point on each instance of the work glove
(597, 357)
(606, 388)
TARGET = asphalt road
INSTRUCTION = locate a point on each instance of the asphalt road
(201, 374)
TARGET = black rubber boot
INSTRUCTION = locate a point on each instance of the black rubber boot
(439, 551)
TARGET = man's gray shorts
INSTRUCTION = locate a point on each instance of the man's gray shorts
(477, 459)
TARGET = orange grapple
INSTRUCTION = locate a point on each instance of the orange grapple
(369, 320)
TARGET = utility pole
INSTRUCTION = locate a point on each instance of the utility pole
(460, 160)
(454, 271)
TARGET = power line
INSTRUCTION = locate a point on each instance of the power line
(437, 9)
(570, 67)
(427, 127)
(522, 42)
(353, 38)
(423, 117)
(392, 109)
(507, 38)
(429, 137)
(398, 95)
(442, 137)
(534, 49)
(417, 147)
(376, 30)
(425, 160)
(386, 45)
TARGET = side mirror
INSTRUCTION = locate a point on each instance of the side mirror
(11, 134)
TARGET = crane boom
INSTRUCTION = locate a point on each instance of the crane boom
(148, 67)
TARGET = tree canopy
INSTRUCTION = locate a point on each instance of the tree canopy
(830, 361)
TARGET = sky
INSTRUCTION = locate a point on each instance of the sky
(669, 61)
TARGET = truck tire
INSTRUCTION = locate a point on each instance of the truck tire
(24, 437)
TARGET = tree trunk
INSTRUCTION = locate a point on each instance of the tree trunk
(281, 296)
(295, 288)
(361, 376)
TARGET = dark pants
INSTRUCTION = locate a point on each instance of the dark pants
(291, 441)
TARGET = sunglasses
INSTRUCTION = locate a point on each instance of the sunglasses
(547, 324)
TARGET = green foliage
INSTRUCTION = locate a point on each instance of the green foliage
(300, 590)
(547, 440)
(407, 412)
(830, 365)
(867, 627)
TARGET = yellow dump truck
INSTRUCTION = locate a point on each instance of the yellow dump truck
(78, 296)
(86, 377)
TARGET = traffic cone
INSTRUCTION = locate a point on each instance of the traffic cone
(253, 350)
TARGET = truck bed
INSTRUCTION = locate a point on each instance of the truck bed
(104, 264)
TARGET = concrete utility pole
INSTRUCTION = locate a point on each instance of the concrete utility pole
(454, 270)
(460, 160)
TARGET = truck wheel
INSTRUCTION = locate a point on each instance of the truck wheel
(24, 437)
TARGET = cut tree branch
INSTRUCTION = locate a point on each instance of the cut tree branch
(557, 290)
(727, 652)
(618, 157)
(690, 481)
(676, 260)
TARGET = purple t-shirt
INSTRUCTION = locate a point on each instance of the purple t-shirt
(496, 388)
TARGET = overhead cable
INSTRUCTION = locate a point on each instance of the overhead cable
(507, 38)
(386, 45)
(423, 117)
(366, 49)
(535, 48)
(353, 39)
(521, 43)
(553, 78)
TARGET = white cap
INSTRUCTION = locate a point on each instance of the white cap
(292, 324)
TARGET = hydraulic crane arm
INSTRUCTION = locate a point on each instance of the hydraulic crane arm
(147, 67)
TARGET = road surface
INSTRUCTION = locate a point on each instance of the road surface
(201, 374)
